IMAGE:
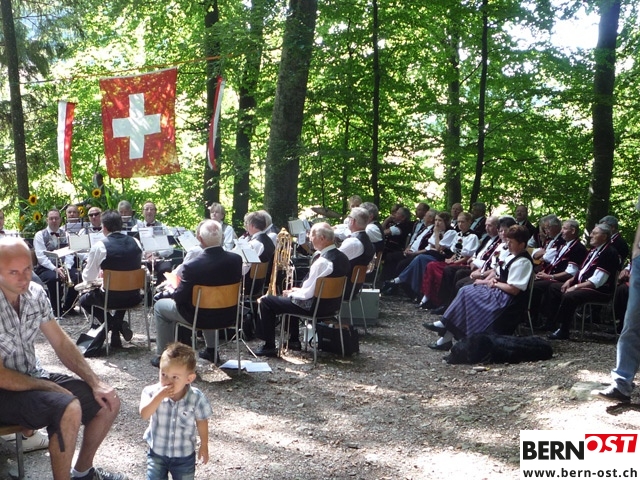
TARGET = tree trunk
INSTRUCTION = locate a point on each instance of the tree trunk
(452, 135)
(375, 166)
(17, 114)
(475, 190)
(246, 112)
(283, 155)
(603, 133)
(211, 187)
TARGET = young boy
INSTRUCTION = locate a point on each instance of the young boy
(176, 410)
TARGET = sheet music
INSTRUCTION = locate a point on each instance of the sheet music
(188, 241)
(247, 253)
(155, 244)
(79, 242)
(59, 253)
(95, 237)
(296, 227)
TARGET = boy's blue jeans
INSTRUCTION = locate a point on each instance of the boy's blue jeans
(181, 468)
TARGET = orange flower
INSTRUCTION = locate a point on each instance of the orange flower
(32, 199)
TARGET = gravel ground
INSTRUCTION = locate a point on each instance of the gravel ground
(395, 411)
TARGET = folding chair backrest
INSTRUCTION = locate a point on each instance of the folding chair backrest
(124, 280)
(218, 296)
(259, 271)
(358, 275)
(328, 288)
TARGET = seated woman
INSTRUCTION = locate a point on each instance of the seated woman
(478, 306)
(438, 248)
(466, 246)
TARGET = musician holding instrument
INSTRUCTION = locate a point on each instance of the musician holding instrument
(95, 221)
(327, 262)
(74, 222)
(53, 275)
(217, 213)
(256, 225)
(357, 246)
(158, 262)
(119, 252)
(212, 267)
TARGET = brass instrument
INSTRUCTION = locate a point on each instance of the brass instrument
(67, 276)
(282, 262)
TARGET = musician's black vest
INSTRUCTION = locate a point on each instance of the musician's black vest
(123, 253)
(369, 250)
(269, 248)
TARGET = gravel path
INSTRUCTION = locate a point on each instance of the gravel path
(393, 411)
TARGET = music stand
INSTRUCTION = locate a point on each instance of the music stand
(249, 256)
(55, 256)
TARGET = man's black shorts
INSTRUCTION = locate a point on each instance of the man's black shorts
(34, 409)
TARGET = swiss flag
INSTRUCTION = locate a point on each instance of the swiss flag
(138, 121)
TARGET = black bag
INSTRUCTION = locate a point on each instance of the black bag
(329, 338)
(90, 343)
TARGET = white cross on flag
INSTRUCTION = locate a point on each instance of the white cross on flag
(138, 121)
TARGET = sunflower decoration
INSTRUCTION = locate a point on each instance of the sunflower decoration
(37, 216)
(33, 199)
(82, 211)
(96, 193)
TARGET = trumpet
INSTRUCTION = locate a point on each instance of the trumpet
(282, 262)
(67, 276)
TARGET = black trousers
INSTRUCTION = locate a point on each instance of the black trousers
(560, 307)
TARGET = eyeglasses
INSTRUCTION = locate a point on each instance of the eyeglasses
(94, 214)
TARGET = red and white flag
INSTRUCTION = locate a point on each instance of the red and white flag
(138, 121)
(65, 132)
(213, 126)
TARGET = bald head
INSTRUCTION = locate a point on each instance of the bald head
(13, 247)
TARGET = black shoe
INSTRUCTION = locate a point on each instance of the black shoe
(438, 311)
(422, 305)
(69, 311)
(265, 351)
(294, 345)
(125, 329)
(208, 354)
(613, 394)
(388, 288)
(558, 335)
(446, 346)
(430, 326)
(101, 474)
(155, 361)
(115, 340)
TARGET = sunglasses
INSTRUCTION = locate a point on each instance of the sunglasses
(94, 214)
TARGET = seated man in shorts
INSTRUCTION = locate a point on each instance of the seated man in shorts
(33, 398)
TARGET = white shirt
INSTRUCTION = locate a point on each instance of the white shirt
(40, 247)
(96, 256)
(352, 247)
(322, 267)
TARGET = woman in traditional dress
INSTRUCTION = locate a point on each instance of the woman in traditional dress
(478, 306)
(438, 248)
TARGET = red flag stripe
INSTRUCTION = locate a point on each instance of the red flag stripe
(213, 126)
(65, 132)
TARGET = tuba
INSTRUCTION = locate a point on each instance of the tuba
(282, 263)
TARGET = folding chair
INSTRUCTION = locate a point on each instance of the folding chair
(609, 303)
(124, 281)
(224, 302)
(529, 298)
(358, 275)
(257, 275)
(328, 296)
(17, 429)
(373, 269)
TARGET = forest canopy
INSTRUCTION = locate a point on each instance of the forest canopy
(434, 101)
